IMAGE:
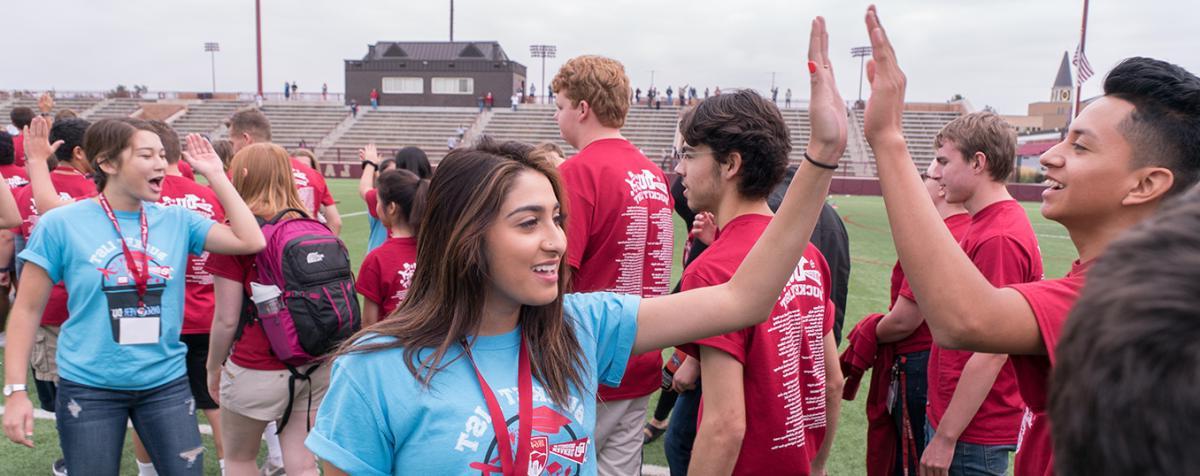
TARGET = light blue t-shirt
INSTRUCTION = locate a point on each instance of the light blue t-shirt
(78, 245)
(379, 233)
(377, 419)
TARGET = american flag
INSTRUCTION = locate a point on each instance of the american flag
(1083, 69)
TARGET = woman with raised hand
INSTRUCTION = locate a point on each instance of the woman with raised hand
(487, 346)
(121, 257)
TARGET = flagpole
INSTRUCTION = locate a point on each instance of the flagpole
(1082, 42)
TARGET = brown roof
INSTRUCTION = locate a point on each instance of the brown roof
(436, 51)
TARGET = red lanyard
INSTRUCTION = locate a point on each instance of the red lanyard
(524, 415)
(139, 271)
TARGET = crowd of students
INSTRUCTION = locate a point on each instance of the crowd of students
(515, 304)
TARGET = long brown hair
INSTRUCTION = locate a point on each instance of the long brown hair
(444, 306)
(262, 175)
(107, 140)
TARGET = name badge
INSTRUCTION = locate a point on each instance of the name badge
(139, 330)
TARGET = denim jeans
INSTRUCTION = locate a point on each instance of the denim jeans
(681, 431)
(913, 367)
(971, 459)
(91, 427)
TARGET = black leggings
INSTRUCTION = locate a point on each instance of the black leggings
(666, 401)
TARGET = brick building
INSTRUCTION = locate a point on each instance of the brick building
(434, 73)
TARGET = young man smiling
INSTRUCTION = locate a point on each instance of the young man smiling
(771, 391)
(1123, 155)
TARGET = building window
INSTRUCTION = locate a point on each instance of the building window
(453, 86)
(403, 86)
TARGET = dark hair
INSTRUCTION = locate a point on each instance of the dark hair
(414, 160)
(7, 154)
(746, 123)
(407, 192)
(71, 132)
(106, 140)
(984, 132)
(1164, 127)
(389, 162)
(1125, 396)
(21, 117)
(65, 114)
(170, 140)
(445, 303)
(253, 122)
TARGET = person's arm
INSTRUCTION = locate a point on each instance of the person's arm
(38, 150)
(370, 312)
(747, 298)
(978, 376)
(900, 322)
(719, 436)
(366, 181)
(242, 236)
(963, 309)
(332, 218)
(331, 470)
(686, 375)
(6, 256)
(834, 381)
(227, 312)
(9, 215)
(22, 325)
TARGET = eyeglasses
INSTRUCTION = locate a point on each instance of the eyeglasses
(692, 154)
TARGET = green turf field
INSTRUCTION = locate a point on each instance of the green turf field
(870, 247)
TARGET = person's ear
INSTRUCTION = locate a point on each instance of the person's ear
(732, 165)
(1152, 184)
(979, 163)
(585, 109)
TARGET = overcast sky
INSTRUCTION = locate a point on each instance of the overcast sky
(1004, 54)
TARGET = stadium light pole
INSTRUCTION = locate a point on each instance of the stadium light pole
(860, 52)
(543, 52)
(212, 48)
(258, 40)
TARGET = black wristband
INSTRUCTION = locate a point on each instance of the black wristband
(818, 164)
(365, 163)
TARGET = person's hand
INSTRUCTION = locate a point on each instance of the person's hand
(935, 461)
(201, 156)
(827, 110)
(46, 103)
(686, 375)
(18, 419)
(704, 228)
(5, 280)
(881, 120)
(370, 154)
(815, 470)
(37, 141)
(214, 385)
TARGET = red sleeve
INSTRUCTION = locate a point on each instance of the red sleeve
(580, 206)
(369, 284)
(372, 200)
(906, 291)
(1002, 261)
(186, 171)
(320, 189)
(1051, 302)
(734, 343)
(233, 268)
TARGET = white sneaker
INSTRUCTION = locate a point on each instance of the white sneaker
(59, 468)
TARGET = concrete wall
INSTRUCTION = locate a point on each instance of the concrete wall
(500, 78)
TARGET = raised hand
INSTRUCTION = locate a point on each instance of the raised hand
(881, 121)
(704, 227)
(370, 154)
(826, 110)
(37, 140)
(46, 103)
(201, 156)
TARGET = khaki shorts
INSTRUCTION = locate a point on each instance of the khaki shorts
(263, 394)
(43, 361)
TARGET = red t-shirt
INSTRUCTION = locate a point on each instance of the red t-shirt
(311, 187)
(387, 272)
(252, 350)
(619, 238)
(783, 358)
(372, 199)
(198, 311)
(920, 340)
(15, 176)
(1051, 302)
(71, 185)
(1002, 244)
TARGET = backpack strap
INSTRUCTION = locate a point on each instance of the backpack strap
(285, 212)
(297, 375)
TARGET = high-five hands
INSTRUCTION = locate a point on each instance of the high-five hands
(201, 156)
(881, 121)
(37, 140)
(826, 110)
